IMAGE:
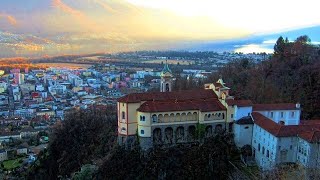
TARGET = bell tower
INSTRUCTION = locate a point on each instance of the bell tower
(166, 79)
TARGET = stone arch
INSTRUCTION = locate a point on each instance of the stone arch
(195, 116)
(154, 118)
(166, 118)
(168, 135)
(157, 136)
(183, 117)
(208, 131)
(218, 128)
(189, 116)
(167, 87)
(172, 117)
(178, 117)
(205, 117)
(180, 134)
(160, 118)
(191, 132)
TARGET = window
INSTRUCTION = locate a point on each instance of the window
(292, 114)
(154, 118)
(263, 150)
(209, 115)
(122, 104)
(167, 87)
(259, 147)
(271, 114)
(267, 153)
(142, 131)
(123, 115)
(231, 115)
(247, 127)
(281, 114)
(142, 118)
(291, 147)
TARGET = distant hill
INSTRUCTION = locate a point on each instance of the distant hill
(262, 40)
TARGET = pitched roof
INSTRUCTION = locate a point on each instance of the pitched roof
(279, 130)
(309, 122)
(311, 136)
(239, 103)
(166, 96)
(245, 120)
(164, 106)
(280, 106)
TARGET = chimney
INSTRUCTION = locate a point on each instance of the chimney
(298, 105)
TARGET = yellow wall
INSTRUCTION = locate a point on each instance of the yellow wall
(132, 112)
(229, 112)
(147, 131)
(144, 125)
(130, 120)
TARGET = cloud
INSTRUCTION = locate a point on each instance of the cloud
(9, 18)
(105, 6)
(59, 4)
(271, 41)
(254, 48)
(80, 17)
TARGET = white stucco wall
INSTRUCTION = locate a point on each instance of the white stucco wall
(243, 134)
(242, 112)
(308, 154)
(266, 141)
(287, 116)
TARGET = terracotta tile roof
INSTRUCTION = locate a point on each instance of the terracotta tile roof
(165, 106)
(279, 130)
(245, 120)
(309, 122)
(239, 103)
(280, 106)
(311, 136)
(165, 96)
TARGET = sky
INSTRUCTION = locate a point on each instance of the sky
(57, 27)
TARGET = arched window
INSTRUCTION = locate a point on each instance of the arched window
(140, 118)
(143, 118)
(154, 118)
(167, 87)
(209, 115)
(259, 147)
(123, 115)
(123, 129)
(267, 153)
